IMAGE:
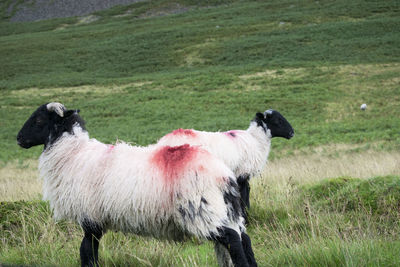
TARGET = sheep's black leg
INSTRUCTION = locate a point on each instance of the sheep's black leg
(244, 188)
(246, 243)
(230, 239)
(90, 244)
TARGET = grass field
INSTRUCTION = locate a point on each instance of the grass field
(328, 197)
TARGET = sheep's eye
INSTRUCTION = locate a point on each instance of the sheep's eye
(39, 121)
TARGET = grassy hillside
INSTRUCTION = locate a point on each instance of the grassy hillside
(210, 68)
(139, 71)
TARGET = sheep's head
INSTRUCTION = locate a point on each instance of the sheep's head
(276, 123)
(45, 125)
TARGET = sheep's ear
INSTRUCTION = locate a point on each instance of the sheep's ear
(268, 113)
(260, 116)
(56, 107)
(70, 112)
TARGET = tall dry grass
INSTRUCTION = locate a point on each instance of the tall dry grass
(19, 180)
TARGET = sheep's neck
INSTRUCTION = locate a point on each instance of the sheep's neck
(263, 136)
(68, 127)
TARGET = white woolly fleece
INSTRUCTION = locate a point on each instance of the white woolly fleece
(245, 153)
(121, 188)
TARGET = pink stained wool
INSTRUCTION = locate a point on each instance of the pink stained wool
(231, 134)
(172, 161)
(187, 132)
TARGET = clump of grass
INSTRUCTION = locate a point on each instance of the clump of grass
(378, 195)
(331, 222)
(10, 211)
(327, 188)
(29, 235)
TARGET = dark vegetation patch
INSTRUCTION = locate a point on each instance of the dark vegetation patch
(36, 10)
(28, 10)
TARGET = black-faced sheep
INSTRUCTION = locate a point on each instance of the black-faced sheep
(162, 191)
(243, 151)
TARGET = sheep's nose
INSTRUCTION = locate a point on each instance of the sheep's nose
(19, 139)
(291, 134)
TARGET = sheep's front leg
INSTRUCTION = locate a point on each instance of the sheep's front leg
(89, 250)
(244, 188)
(231, 240)
(248, 251)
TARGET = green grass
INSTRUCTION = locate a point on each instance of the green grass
(291, 232)
(138, 76)
(377, 195)
(322, 104)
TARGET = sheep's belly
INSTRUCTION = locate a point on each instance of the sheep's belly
(167, 230)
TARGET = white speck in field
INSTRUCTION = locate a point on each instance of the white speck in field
(363, 106)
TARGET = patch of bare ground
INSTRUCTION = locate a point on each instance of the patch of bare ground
(81, 21)
(192, 54)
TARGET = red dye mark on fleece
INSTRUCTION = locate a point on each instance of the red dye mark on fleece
(172, 161)
(181, 131)
(110, 148)
(231, 134)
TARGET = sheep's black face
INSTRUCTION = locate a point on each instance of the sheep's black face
(35, 131)
(276, 123)
(46, 125)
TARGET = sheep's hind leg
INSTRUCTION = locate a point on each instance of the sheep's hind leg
(230, 239)
(89, 250)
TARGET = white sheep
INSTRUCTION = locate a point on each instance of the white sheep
(363, 106)
(161, 191)
(243, 151)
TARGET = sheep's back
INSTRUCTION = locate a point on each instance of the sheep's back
(220, 144)
(238, 149)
